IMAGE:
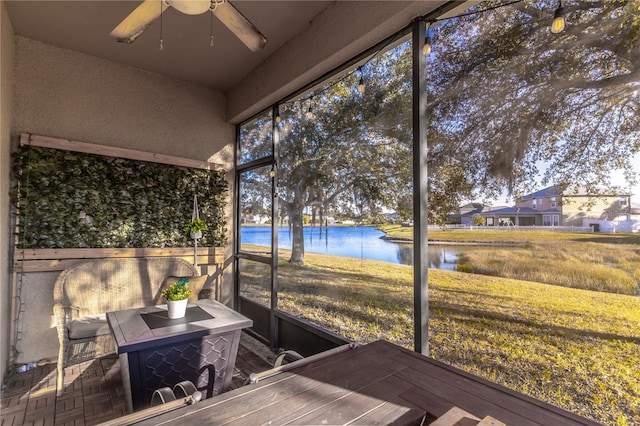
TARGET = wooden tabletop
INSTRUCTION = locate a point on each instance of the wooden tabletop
(378, 383)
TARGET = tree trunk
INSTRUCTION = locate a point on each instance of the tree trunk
(295, 217)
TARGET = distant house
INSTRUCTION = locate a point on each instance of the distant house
(254, 219)
(464, 214)
(548, 207)
(392, 217)
(467, 213)
(514, 216)
(541, 208)
(634, 212)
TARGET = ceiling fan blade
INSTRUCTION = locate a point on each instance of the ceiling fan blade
(138, 20)
(240, 26)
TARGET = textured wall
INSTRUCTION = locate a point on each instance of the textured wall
(70, 95)
(66, 94)
(6, 97)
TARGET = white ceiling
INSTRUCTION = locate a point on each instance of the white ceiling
(84, 26)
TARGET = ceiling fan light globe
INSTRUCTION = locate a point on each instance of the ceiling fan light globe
(191, 7)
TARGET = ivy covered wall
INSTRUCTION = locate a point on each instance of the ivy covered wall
(75, 200)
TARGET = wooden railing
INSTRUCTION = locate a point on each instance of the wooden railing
(111, 151)
(43, 260)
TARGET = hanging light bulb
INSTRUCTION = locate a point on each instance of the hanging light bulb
(426, 49)
(278, 119)
(361, 81)
(557, 26)
(310, 110)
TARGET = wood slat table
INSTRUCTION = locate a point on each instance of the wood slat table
(378, 383)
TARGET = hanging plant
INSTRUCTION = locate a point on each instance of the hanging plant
(196, 226)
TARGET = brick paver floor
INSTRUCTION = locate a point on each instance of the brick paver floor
(93, 390)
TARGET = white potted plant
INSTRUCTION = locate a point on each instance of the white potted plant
(195, 228)
(177, 296)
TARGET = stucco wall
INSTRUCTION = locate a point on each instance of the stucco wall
(70, 95)
(6, 90)
(577, 208)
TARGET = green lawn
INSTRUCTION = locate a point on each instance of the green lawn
(577, 349)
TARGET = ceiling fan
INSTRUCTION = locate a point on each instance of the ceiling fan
(150, 10)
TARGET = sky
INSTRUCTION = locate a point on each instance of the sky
(635, 189)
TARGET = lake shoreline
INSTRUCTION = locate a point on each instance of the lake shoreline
(452, 243)
(358, 242)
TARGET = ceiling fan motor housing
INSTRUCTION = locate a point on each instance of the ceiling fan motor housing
(191, 7)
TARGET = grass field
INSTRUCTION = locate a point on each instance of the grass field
(576, 349)
(538, 328)
(601, 262)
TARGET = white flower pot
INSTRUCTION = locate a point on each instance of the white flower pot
(196, 235)
(177, 308)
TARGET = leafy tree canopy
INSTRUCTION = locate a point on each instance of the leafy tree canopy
(511, 107)
(512, 101)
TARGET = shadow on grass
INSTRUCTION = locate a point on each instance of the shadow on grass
(375, 299)
(477, 315)
(628, 238)
(334, 273)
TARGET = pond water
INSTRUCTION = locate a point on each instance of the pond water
(363, 242)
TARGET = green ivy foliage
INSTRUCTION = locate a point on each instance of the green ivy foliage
(75, 200)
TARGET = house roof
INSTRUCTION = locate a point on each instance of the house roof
(471, 209)
(550, 191)
(473, 205)
(481, 208)
(554, 190)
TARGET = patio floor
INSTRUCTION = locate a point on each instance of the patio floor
(94, 393)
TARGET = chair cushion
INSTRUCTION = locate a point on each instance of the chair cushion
(91, 326)
(195, 284)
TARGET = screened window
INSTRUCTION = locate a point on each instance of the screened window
(345, 164)
(255, 140)
(255, 281)
(255, 211)
(512, 105)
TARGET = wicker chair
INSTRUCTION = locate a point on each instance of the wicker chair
(85, 292)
